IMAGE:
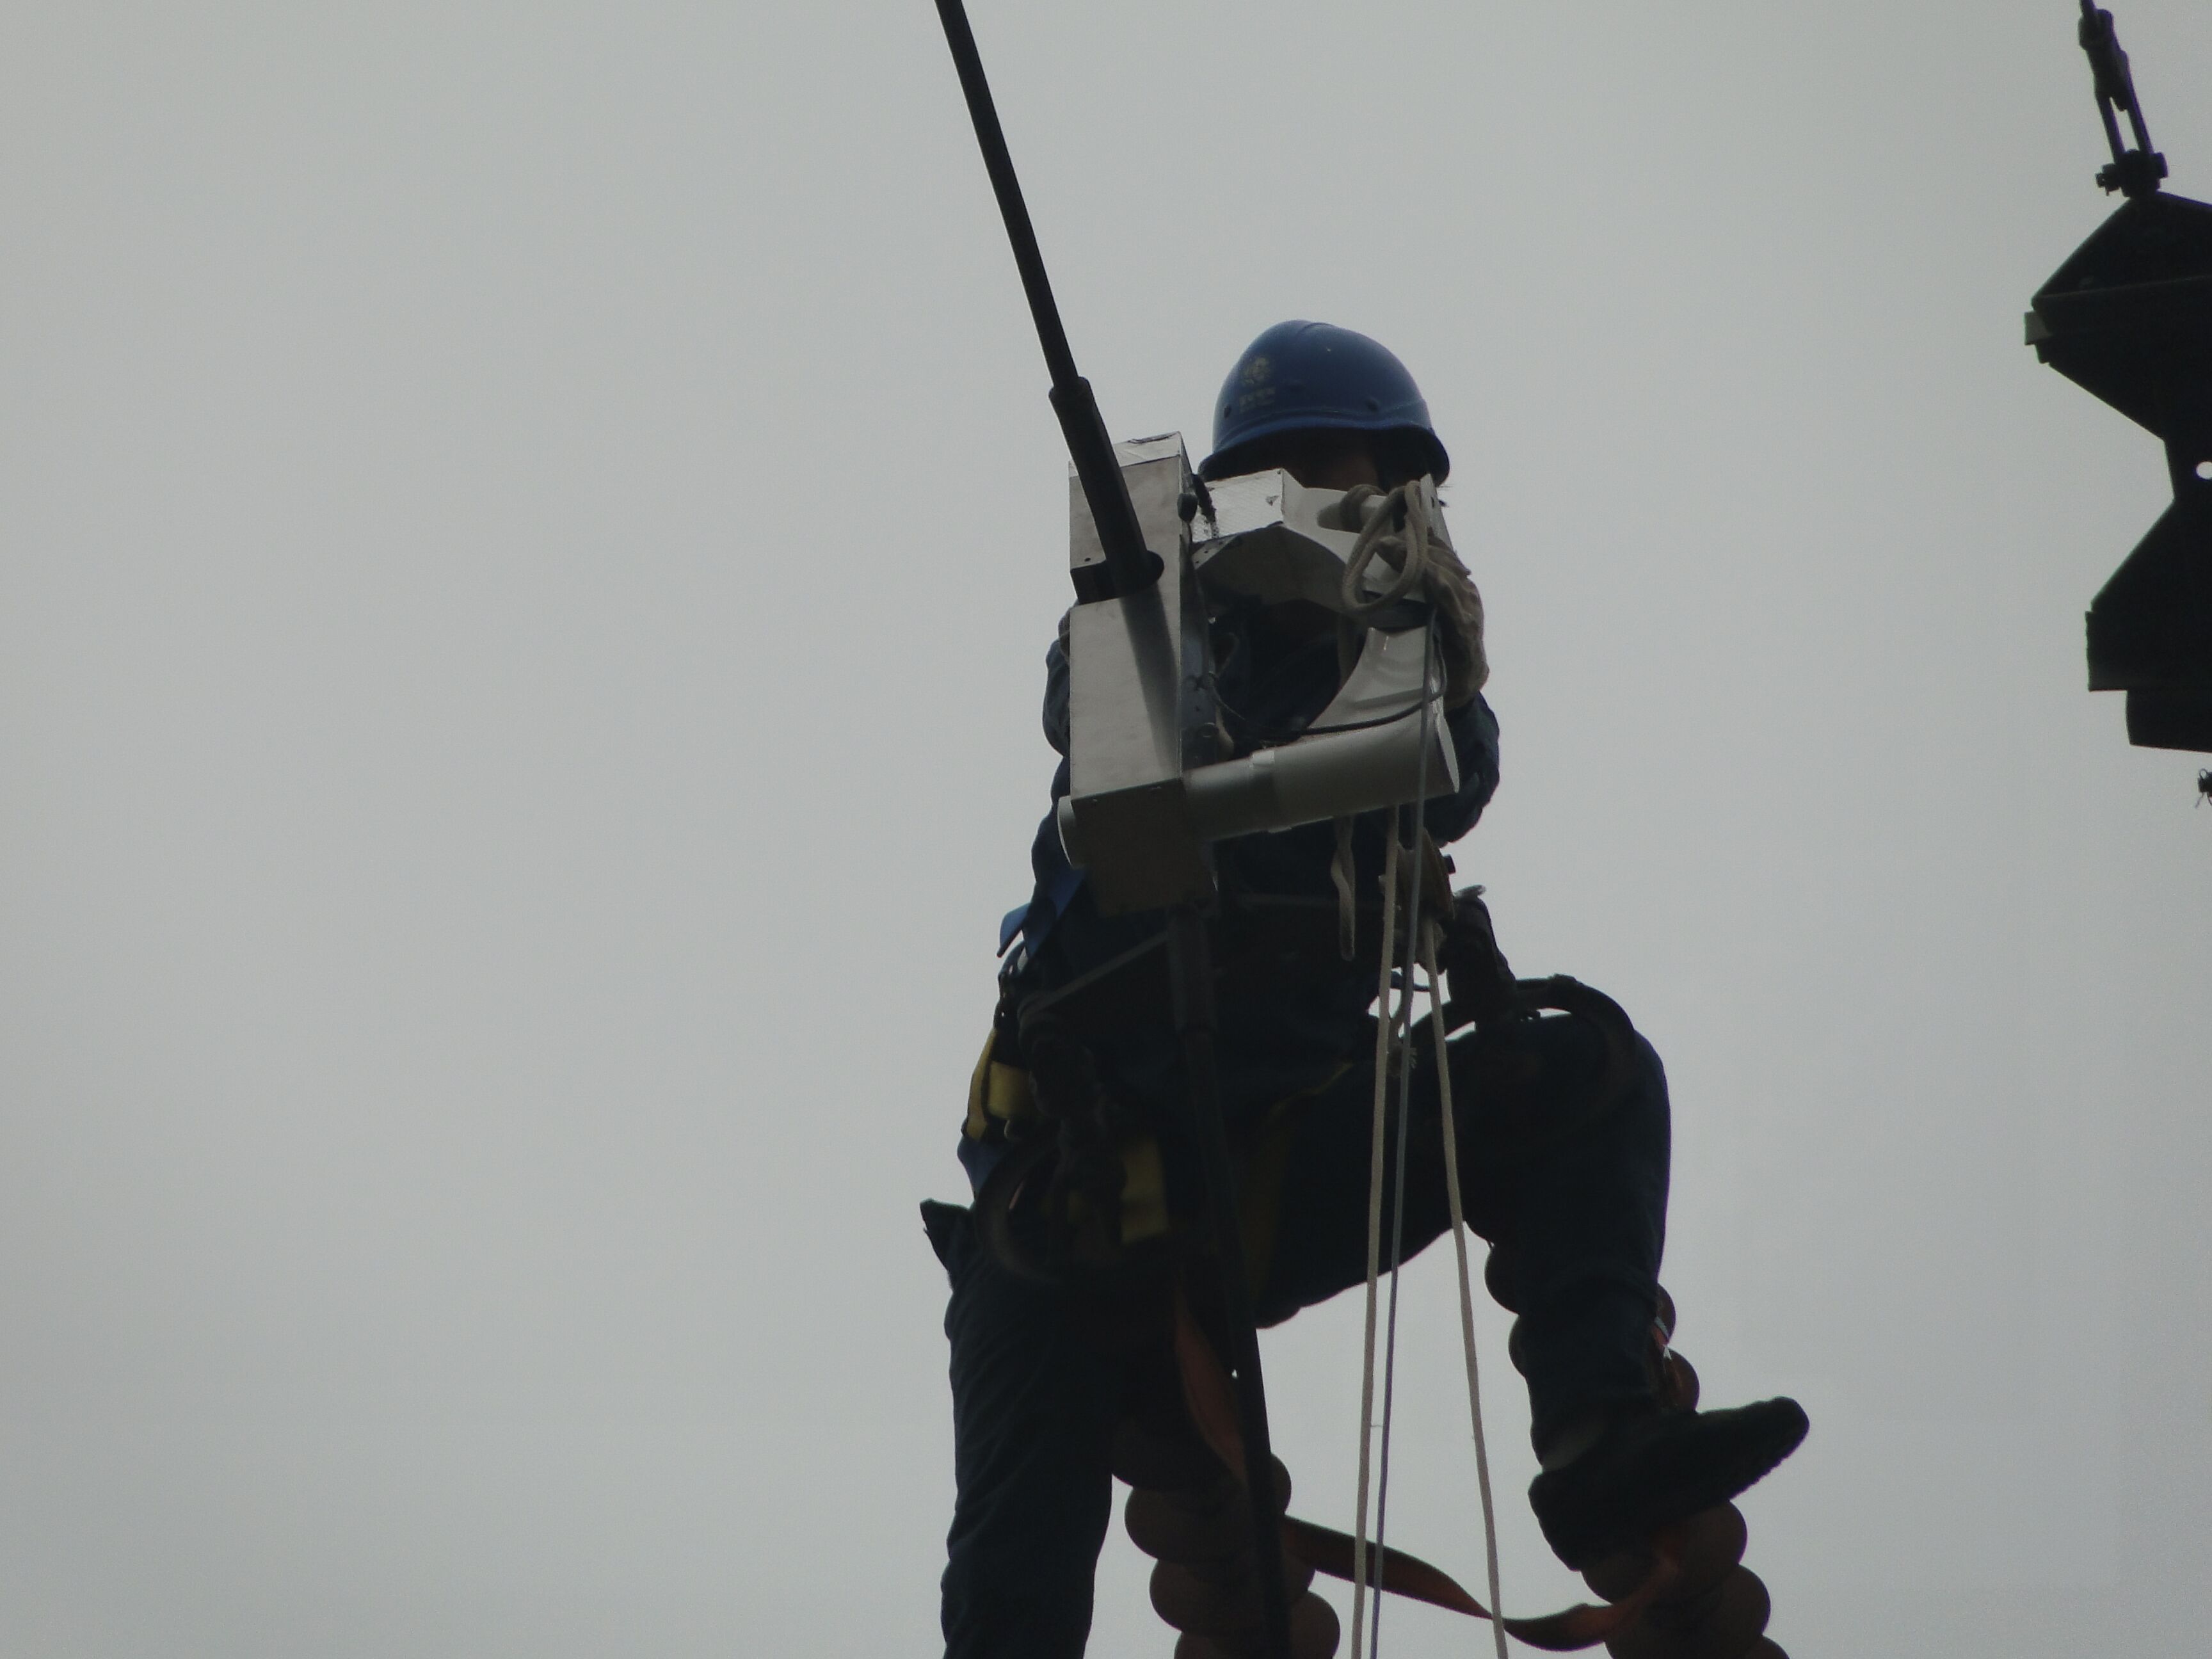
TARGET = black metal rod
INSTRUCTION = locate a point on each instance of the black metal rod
(1190, 971)
(1127, 563)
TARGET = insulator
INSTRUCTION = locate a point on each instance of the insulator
(1711, 1543)
(1220, 1599)
(1315, 1633)
(1725, 1623)
(1163, 1462)
(1314, 1628)
(1213, 1525)
(1168, 1529)
(1678, 1383)
(1499, 1268)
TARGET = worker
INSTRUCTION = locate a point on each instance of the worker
(1577, 1203)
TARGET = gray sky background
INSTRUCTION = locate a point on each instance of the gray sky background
(526, 538)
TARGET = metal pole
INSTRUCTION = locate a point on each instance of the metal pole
(1190, 971)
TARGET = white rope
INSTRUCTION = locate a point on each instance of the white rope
(1466, 1284)
(1415, 882)
(1382, 1031)
(1401, 1027)
(1393, 1039)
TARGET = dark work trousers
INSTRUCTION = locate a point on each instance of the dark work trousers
(1577, 1199)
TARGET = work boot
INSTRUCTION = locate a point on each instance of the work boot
(1648, 1468)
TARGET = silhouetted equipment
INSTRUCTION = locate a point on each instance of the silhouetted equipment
(2128, 317)
(1683, 1595)
(2136, 171)
(1132, 587)
(1154, 782)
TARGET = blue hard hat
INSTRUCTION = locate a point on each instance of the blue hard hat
(1311, 377)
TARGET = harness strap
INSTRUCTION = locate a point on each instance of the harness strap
(998, 1093)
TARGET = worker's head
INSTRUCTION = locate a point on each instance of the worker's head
(1330, 407)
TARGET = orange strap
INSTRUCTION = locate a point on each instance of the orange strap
(1213, 1404)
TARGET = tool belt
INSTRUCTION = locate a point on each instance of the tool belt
(1079, 1190)
(1099, 1195)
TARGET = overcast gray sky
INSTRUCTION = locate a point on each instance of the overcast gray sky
(527, 538)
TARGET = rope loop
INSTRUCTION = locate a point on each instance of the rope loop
(1416, 549)
(1398, 532)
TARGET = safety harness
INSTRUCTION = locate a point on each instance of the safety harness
(1007, 1108)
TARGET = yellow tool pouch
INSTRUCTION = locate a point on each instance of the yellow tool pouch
(999, 1096)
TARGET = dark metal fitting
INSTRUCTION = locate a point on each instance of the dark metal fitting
(2136, 172)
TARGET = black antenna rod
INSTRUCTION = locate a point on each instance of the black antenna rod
(1128, 564)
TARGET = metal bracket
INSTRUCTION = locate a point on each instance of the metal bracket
(2136, 171)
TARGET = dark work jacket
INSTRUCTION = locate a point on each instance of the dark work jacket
(1268, 689)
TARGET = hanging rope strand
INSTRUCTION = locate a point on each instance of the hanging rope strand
(1429, 954)
(1374, 1241)
(1413, 874)
(1401, 1052)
